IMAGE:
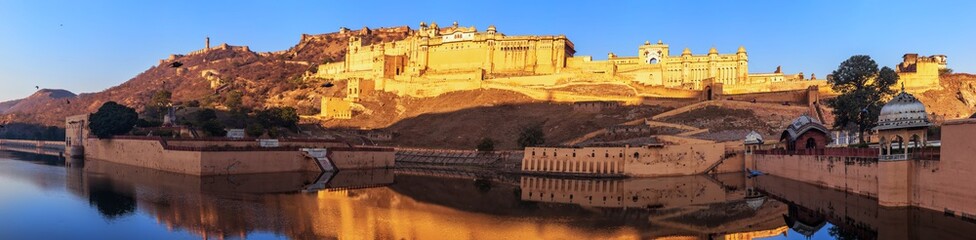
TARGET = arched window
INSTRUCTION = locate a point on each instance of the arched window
(636, 155)
(811, 143)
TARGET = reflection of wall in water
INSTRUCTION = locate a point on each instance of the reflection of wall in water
(634, 192)
(860, 215)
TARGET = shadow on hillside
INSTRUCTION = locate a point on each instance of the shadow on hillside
(464, 128)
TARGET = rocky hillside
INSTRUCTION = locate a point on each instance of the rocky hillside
(7, 105)
(39, 99)
(263, 78)
(956, 99)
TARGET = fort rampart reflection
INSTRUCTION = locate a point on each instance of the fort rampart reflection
(381, 204)
(811, 206)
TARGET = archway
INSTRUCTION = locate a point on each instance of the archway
(811, 143)
(883, 145)
(708, 93)
(901, 147)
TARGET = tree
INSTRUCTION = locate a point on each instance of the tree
(157, 106)
(531, 136)
(486, 145)
(254, 130)
(213, 128)
(205, 115)
(112, 119)
(286, 117)
(863, 89)
(233, 99)
(161, 98)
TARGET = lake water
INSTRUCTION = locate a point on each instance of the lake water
(41, 198)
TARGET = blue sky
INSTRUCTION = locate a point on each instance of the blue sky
(92, 45)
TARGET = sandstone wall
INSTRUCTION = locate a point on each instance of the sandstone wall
(857, 175)
(143, 153)
(247, 162)
(669, 160)
(362, 158)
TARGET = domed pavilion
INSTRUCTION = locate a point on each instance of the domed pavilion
(902, 127)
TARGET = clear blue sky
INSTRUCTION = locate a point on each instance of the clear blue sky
(92, 45)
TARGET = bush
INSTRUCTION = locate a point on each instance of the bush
(112, 119)
(531, 136)
(286, 117)
(233, 99)
(254, 130)
(204, 116)
(486, 145)
(143, 123)
(213, 128)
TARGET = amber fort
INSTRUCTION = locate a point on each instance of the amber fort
(432, 60)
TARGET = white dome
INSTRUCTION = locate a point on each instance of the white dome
(753, 138)
(903, 111)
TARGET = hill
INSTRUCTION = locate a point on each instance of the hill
(261, 77)
(7, 105)
(37, 100)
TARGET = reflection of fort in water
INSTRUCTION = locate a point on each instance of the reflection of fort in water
(700, 205)
(380, 205)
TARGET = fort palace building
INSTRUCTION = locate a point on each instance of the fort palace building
(433, 60)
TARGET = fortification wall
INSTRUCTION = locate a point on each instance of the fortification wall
(676, 160)
(143, 153)
(777, 87)
(669, 160)
(793, 96)
(857, 175)
(247, 162)
(152, 154)
(362, 158)
(429, 88)
(947, 184)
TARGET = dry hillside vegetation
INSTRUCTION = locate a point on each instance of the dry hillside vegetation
(729, 122)
(461, 119)
(264, 78)
(957, 99)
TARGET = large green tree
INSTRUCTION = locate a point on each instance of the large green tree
(863, 91)
(112, 119)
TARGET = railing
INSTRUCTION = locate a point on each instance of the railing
(165, 143)
(893, 157)
(839, 152)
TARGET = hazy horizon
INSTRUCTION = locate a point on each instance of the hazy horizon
(91, 46)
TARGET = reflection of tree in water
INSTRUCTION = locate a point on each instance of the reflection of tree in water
(841, 233)
(483, 186)
(111, 204)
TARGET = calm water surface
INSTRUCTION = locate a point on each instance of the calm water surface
(40, 198)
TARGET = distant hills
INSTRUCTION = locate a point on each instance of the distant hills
(35, 100)
(263, 78)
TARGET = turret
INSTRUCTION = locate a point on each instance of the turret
(491, 29)
(713, 51)
(743, 61)
(686, 52)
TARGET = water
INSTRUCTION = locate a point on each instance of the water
(40, 198)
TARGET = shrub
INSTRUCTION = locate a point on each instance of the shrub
(486, 145)
(254, 130)
(531, 136)
(213, 128)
